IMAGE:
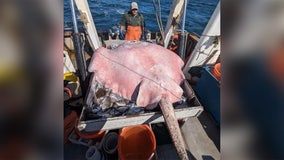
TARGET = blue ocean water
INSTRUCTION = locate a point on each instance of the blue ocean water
(107, 13)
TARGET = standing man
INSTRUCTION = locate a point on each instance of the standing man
(133, 22)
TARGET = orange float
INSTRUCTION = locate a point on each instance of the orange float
(217, 71)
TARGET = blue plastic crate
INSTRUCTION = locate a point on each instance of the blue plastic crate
(208, 92)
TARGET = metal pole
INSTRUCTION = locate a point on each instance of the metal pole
(182, 43)
(80, 60)
(74, 16)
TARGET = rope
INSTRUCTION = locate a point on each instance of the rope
(68, 91)
(158, 17)
(209, 55)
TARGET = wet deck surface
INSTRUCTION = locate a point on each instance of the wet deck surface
(201, 134)
(202, 137)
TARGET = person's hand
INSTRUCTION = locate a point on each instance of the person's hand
(121, 34)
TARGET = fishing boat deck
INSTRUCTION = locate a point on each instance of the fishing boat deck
(201, 135)
(200, 132)
(202, 138)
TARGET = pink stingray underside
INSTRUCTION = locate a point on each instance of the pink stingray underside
(139, 71)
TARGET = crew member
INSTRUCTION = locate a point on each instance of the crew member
(133, 23)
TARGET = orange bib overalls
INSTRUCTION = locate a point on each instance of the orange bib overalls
(133, 33)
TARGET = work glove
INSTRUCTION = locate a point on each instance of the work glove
(121, 34)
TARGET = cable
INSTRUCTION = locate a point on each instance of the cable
(210, 54)
(158, 19)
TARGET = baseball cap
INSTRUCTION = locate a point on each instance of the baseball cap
(134, 5)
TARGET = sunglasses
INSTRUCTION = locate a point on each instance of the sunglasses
(134, 9)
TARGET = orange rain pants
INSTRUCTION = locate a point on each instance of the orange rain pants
(133, 33)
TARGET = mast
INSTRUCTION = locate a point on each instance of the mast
(87, 19)
(173, 20)
(182, 42)
(80, 60)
